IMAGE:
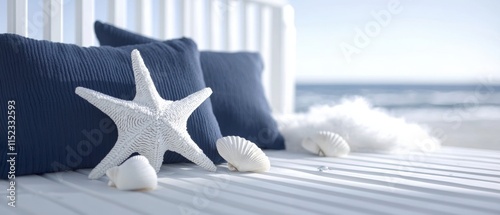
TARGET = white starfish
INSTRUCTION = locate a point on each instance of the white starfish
(148, 124)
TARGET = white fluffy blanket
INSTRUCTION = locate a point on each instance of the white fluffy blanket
(364, 127)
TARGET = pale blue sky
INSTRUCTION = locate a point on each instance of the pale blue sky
(440, 41)
(452, 41)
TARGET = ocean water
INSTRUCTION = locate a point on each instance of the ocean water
(461, 115)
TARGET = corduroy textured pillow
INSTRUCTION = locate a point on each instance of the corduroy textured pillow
(57, 130)
(238, 100)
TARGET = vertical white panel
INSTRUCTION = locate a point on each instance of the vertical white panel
(17, 17)
(208, 31)
(244, 23)
(186, 17)
(117, 12)
(290, 57)
(84, 30)
(283, 59)
(197, 17)
(232, 23)
(167, 19)
(216, 25)
(164, 6)
(53, 17)
(265, 49)
(144, 17)
(252, 30)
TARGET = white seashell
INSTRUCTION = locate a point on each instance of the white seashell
(242, 155)
(326, 143)
(134, 174)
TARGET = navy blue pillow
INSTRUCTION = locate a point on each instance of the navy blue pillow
(57, 130)
(238, 100)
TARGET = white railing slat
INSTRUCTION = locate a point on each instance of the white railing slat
(283, 58)
(232, 21)
(219, 25)
(185, 16)
(53, 18)
(208, 31)
(17, 17)
(163, 17)
(253, 42)
(144, 17)
(197, 24)
(244, 24)
(117, 13)
(167, 19)
(265, 49)
(215, 26)
(84, 30)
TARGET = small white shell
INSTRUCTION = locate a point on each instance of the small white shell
(242, 155)
(134, 174)
(326, 143)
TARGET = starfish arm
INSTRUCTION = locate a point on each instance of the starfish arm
(119, 153)
(111, 106)
(186, 147)
(146, 92)
(185, 107)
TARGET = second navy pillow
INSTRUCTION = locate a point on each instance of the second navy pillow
(238, 101)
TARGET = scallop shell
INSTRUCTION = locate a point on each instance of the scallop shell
(242, 155)
(326, 143)
(134, 174)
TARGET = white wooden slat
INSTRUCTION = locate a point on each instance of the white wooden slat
(17, 17)
(84, 30)
(143, 203)
(407, 167)
(290, 58)
(144, 17)
(233, 23)
(283, 58)
(249, 186)
(216, 26)
(208, 31)
(379, 177)
(348, 197)
(52, 190)
(186, 17)
(251, 33)
(243, 24)
(244, 202)
(450, 195)
(53, 18)
(167, 19)
(444, 180)
(440, 167)
(292, 185)
(392, 197)
(29, 202)
(117, 13)
(265, 42)
(197, 25)
(255, 38)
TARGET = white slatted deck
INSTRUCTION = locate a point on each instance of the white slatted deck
(452, 181)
